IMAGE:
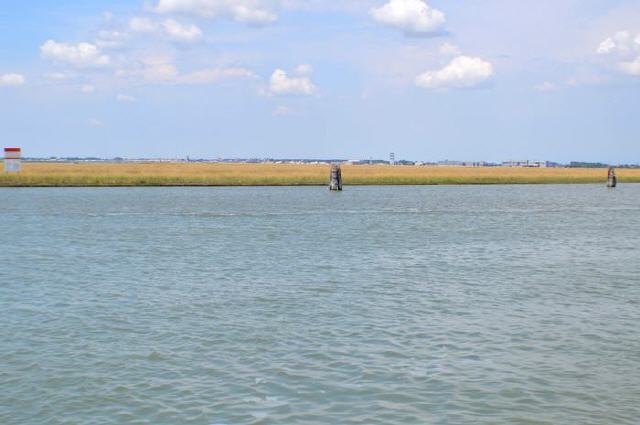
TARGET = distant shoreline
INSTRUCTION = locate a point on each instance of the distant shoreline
(258, 175)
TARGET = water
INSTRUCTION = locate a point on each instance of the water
(403, 305)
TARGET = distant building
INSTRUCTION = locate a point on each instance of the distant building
(527, 163)
(448, 163)
(12, 160)
(405, 162)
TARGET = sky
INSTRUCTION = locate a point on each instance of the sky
(430, 80)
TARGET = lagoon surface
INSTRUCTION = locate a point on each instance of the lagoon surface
(377, 305)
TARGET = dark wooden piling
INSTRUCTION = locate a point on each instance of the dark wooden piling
(335, 178)
(612, 180)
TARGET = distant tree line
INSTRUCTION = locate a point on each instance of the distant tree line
(575, 164)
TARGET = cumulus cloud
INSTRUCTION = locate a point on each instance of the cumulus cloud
(207, 76)
(461, 72)
(151, 68)
(282, 84)
(111, 39)
(621, 43)
(81, 54)
(606, 46)
(161, 70)
(58, 76)
(169, 27)
(623, 48)
(178, 31)
(125, 98)
(349, 6)
(411, 16)
(138, 24)
(12, 80)
(632, 68)
(247, 11)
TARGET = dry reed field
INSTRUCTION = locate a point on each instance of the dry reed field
(199, 174)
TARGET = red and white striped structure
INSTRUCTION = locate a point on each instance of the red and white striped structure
(12, 162)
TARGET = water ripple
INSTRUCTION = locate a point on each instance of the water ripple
(443, 305)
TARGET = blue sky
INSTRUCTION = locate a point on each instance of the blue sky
(430, 80)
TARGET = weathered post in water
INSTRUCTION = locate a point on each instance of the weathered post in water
(335, 178)
(612, 180)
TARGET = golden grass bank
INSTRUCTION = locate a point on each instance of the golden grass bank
(243, 174)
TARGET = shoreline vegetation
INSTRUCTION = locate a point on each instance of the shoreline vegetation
(244, 174)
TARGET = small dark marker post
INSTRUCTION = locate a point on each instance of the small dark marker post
(612, 180)
(335, 182)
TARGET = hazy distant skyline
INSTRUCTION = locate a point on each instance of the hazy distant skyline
(468, 80)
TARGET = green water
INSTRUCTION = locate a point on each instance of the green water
(377, 305)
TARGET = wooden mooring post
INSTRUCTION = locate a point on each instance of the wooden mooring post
(612, 180)
(335, 179)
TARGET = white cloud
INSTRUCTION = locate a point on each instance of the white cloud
(143, 25)
(207, 76)
(160, 72)
(178, 31)
(411, 16)
(153, 68)
(248, 11)
(606, 46)
(58, 76)
(81, 54)
(159, 58)
(349, 6)
(282, 84)
(12, 80)
(632, 68)
(169, 27)
(111, 39)
(448, 49)
(620, 43)
(125, 98)
(87, 88)
(461, 72)
(95, 123)
(623, 48)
